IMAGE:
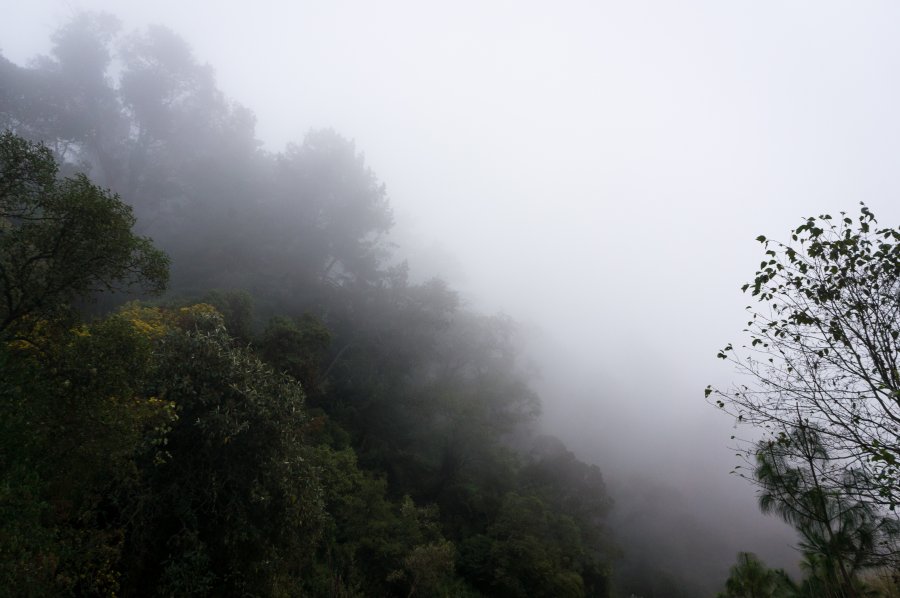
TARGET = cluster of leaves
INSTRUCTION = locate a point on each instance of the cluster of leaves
(333, 430)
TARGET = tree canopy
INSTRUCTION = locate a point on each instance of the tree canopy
(62, 239)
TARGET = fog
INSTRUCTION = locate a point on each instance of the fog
(598, 171)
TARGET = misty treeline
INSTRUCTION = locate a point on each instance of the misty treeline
(293, 416)
(821, 386)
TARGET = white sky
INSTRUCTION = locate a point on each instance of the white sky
(598, 168)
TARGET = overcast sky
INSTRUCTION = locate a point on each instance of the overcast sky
(599, 169)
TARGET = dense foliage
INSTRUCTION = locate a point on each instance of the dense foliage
(61, 239)
(330, 429)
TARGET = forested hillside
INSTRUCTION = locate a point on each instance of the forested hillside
(219, 376)
(282, 412)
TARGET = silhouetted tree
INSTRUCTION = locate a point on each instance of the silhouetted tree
(824, 355)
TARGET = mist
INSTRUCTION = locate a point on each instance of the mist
(596, 171)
